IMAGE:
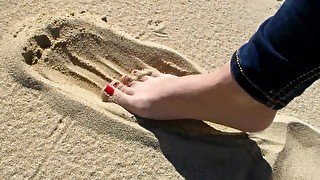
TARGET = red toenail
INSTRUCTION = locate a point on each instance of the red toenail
(115, 84)
(109, 90)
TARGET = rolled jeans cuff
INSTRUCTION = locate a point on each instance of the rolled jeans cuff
(281, 59)
(251, 87)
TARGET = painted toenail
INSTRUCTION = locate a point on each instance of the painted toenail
(109, 90)
(115, 84)
(128, 78)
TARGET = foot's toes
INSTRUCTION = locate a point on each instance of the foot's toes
(154, 73)
(145, 74)
(139, 75)
(121, 87)
(116, 84)
(107, 92)
(127, 90)
(135, 72)
(145, 78)
(126, 80)
(111, 94)
(150, 72)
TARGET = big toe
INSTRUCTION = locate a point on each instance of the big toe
(112, 94)
(122, 87)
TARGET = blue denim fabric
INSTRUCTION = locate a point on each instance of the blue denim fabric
(282, 58)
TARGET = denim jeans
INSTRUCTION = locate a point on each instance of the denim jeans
(282, 58)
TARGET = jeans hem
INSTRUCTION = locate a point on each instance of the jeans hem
(250, 87)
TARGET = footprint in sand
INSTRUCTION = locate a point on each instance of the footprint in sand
(78, 54)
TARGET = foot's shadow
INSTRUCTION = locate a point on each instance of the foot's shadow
(198, 151)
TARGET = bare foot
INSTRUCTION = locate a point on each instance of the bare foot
(144, 93)
(215, 97)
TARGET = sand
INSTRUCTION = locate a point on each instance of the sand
(57, 55)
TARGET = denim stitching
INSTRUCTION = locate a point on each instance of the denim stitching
(283, 89)
(265, 94)
(303, 82)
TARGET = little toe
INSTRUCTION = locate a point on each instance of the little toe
(152, 72)
(145, 74)
(145, 78)
(134, 72)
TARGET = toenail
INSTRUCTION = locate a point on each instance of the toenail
(109, 90)
(128, 78)
(115, 84)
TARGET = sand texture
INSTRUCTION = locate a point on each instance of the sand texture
(57, 55)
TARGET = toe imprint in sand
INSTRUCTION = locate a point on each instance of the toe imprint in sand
(77, 53)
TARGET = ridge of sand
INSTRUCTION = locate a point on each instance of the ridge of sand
(61, 64)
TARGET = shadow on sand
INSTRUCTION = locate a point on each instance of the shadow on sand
(198, 151)
(195, 149)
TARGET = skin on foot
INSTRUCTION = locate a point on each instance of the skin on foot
(139, 91)
(215, 97)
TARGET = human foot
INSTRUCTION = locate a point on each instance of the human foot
(145, 93)
(215, 97)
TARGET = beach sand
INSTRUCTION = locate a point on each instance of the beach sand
(57, 55)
